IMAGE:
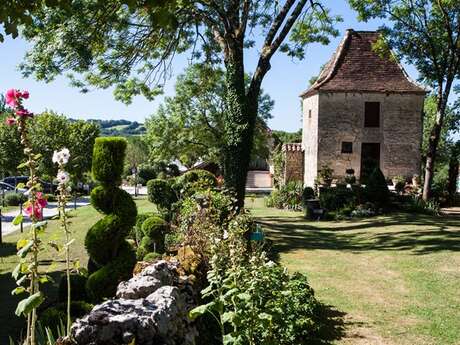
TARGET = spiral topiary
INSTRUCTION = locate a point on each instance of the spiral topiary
(111, 257)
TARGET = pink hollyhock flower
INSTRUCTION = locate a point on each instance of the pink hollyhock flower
(11, 97)
(10, 121)
(24, 94)
(42, 202)
(23, 113)
(36, 211)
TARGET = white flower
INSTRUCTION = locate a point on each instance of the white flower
(225, 234)
(61, 157)
(63, 177)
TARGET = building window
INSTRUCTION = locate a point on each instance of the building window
(372, 114)
(347, 147)
(309, 114)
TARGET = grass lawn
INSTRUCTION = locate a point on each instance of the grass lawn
(82, 219)
(392, 279)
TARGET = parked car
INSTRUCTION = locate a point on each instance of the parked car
(47, 187)
(6, 187)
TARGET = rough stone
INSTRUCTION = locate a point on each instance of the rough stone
(149, 310)
(151, 278)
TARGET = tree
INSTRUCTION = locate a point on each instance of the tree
(131, 45)
(189, 127)
(11, 154)
(433, 29)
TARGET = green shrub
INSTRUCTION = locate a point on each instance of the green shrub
(14, 199)
(53, 316)
(333, 199)
(153, 236)
(136, 233)
(108, 160)
(161, 193)
(146, 173)
(376, 190)
(288, 196)
(150, 257)
(77, 288)
(194, 181)
(416, 204)
(308, 193)
(111, 257)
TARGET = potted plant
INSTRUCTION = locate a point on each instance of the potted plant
(350, 177)
(325, 174)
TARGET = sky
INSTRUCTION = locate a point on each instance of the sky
(284, 82)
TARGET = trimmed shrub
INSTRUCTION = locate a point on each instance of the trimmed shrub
(333, 199)
(307, 194)
(161, 193)
(153, 230)
(195, 180)
(14, 199)
(376, 190)
(112, 258)
(136, 233)
(77, 288)
(150, 257)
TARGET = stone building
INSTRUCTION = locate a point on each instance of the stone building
(363, 109)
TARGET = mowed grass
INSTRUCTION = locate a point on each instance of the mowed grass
(52, 262)
(392, 279)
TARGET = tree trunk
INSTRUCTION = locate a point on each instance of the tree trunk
(239, 124)
(435, 135)
(453, 176)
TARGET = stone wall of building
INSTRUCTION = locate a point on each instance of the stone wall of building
(341, 119)
(310, 138)
(293, 162)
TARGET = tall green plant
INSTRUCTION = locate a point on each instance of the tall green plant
(26, 273)
(61, 158)
(111, 257)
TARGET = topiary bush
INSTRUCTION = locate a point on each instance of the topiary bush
(136, 232)
(111, 257)
(333, 199)
(376, 190)
(153, 230)
(161, 193)
(77, 288)
(196, 180)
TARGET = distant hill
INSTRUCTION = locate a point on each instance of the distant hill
(122, 128)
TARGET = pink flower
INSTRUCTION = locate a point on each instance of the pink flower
(23, 113)
(11, 97)
(42, 202)
(35, 210)
(10, 121)
(24, 94)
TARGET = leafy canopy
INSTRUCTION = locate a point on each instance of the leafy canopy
(131, 44)
(189, 127)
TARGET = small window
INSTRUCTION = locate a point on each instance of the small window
(372, 114)
(347, 147)
(309, 114)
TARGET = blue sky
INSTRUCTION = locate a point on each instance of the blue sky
(284, 82)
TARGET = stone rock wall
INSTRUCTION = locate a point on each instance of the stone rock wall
(151, 308)
(293, 166)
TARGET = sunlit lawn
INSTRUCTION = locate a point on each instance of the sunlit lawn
(82, 219)
(394, 279)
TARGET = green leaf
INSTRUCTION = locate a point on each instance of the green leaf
(228, 339)
(200, 310)
(18, 219)
(20, 185)
(228, 316)
(244, 296)
(16, 271)
(22, 165)
(265, 316)
(24, 250)
(19, 290)
(27, 305)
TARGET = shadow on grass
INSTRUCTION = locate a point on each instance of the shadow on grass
(7, 249)
(431, 234)
(12, 325)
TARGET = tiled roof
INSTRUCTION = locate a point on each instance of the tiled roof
(356, 67)
(292, 147)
